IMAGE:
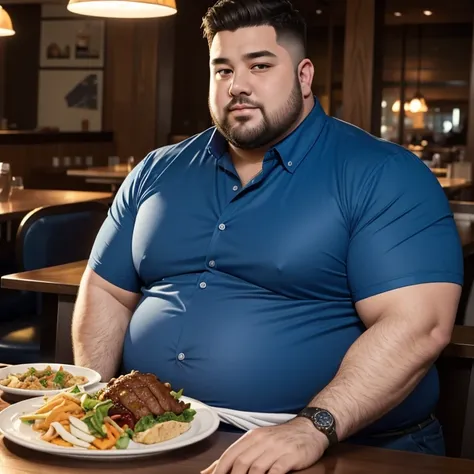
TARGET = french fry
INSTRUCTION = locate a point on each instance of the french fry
(49, 406)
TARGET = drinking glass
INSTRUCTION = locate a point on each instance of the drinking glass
(17, 183)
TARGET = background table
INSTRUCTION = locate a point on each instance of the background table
(25, 200)
(59, 285)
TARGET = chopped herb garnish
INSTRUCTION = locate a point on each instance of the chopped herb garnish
(59, 378)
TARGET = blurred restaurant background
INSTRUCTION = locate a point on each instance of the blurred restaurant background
(84, 98)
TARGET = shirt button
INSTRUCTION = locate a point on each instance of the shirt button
(221, 226)
(202, 284)
(212, 263)
(290, 163)
(235, 188)
(181, 356)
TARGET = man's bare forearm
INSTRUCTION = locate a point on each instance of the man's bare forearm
(98, 331)
(380, 369)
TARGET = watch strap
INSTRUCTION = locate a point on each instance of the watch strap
(330, 432)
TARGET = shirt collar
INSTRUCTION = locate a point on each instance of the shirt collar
(292, 149)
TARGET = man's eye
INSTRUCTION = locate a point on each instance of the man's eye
(260, 67)
(224, 72)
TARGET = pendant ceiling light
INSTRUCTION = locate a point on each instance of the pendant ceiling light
(418, 103)
(396, 106)
(123, 8)
(6, 27)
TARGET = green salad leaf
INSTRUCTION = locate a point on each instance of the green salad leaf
(95, 418)
(124, 440)
(89, 404)
(149, 421)
(76, 389)
(177, 395)
(44, 383)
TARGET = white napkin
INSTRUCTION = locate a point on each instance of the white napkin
(246, 420)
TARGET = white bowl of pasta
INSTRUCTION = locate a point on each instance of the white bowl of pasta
(37, 379)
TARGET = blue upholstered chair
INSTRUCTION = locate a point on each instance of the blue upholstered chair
(46, 237)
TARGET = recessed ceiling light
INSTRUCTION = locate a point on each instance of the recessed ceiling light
(398, 13)
(427, 12)
(318, 12)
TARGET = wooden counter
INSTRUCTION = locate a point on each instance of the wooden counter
(31, 154)
(25, 137)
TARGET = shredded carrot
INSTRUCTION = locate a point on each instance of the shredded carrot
(61, 442)
(113, 430)
(103, 444)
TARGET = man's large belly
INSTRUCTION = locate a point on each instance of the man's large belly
(238, 346)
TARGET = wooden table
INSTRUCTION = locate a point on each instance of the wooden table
(59, 286)
(24, 201)
(111, 175)
(451, 184)
(114, 172)
(342, 459)
(61, 279)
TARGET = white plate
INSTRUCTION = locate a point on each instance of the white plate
(92, 376)
(206, 422)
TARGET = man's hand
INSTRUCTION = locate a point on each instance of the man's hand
(292, 446)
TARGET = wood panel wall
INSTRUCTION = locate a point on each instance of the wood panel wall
(34, 161)
(191, 71)
(135, 52)
(362, 68)
(470, 122)
(22, 66)
(2, 77)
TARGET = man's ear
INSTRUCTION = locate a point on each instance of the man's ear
(305, 76)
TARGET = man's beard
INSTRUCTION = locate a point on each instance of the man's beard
(269, 130)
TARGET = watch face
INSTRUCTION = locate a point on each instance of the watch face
(324, 419)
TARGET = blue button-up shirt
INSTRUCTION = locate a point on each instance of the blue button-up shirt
(249, 292)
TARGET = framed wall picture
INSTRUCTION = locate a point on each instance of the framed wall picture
(72, 43)
(70, 100)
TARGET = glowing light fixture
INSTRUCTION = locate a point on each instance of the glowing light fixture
(396, 106)
(427, 12)
(398, 14)
(123, 8)
(6, 27)
(418, 103)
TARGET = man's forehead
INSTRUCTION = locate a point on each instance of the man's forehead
(245, 40)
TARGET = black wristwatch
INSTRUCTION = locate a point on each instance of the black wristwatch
(323, 421)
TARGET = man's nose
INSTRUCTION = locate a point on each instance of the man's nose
(239, 85)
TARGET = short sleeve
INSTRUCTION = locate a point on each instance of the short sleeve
(402, 230)
(111, 255)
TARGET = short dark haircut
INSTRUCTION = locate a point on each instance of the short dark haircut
(230, 15)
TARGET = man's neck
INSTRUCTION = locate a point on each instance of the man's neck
(248, 163)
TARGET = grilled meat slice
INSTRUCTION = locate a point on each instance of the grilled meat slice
(142, 395)
(147, 397)
(162, 393)
(129, 400)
